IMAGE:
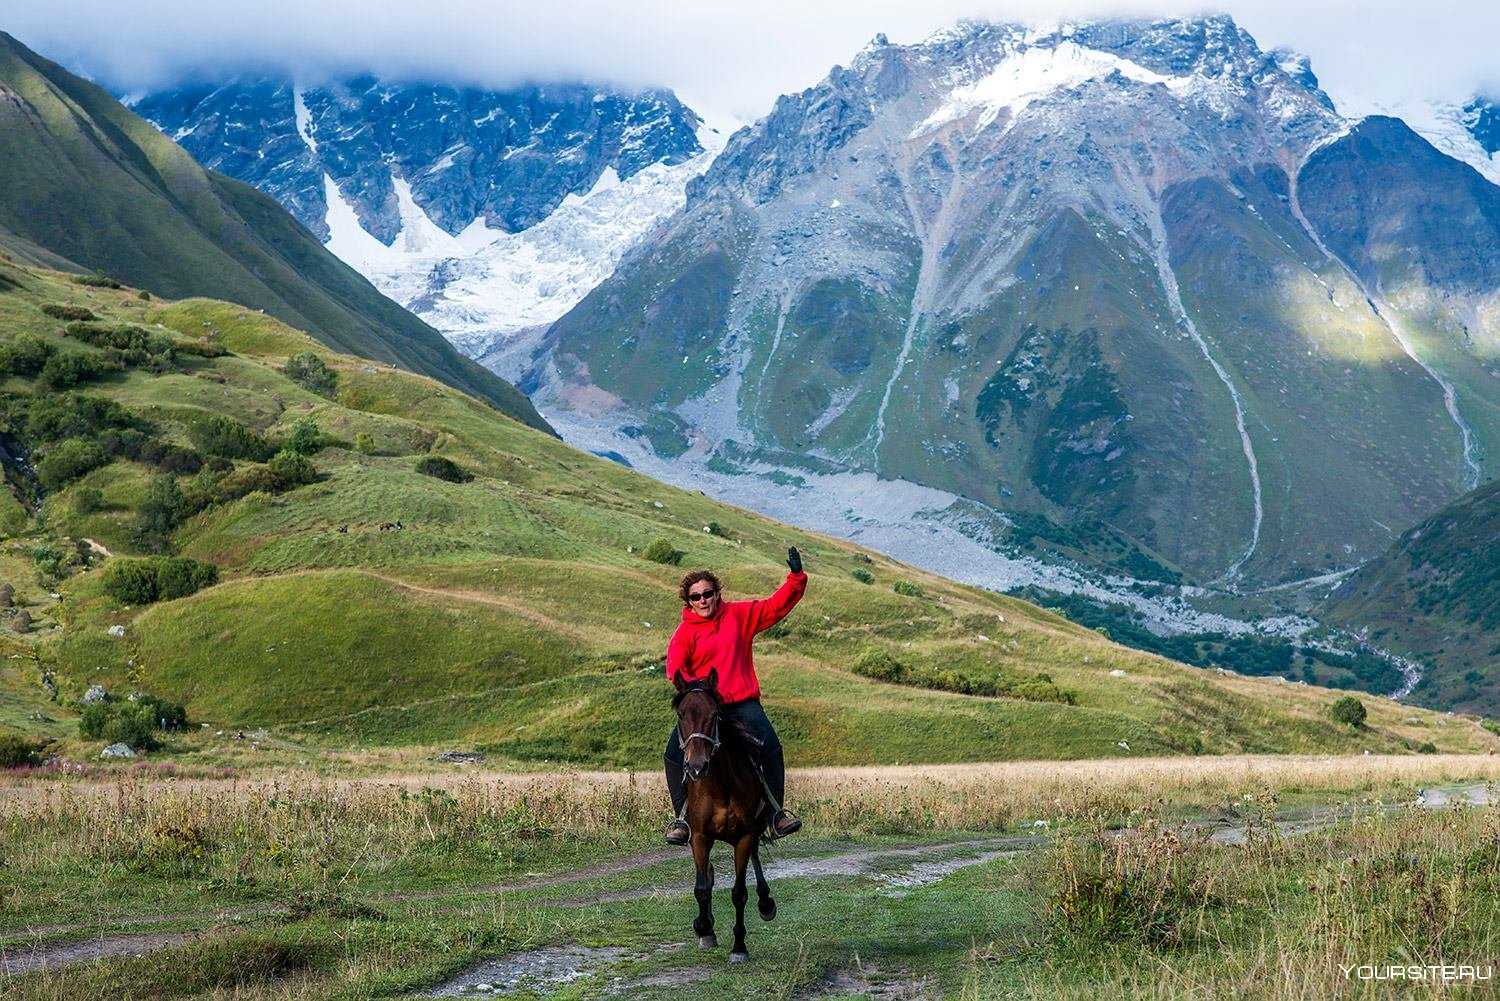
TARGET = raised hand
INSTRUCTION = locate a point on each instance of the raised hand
(794, 560)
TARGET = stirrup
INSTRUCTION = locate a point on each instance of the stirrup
(678, 829)
(773, 834)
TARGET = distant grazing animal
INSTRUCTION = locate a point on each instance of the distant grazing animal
(725, 803)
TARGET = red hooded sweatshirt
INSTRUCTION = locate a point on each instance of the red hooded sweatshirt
(700, 645)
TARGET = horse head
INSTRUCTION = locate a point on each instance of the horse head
(697, 704)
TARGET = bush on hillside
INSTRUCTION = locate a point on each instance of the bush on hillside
(162, 510)
(364, 443)
(65, 311)
(907, 588)
(1349, 711)
(68, 369)
(119, 722)
(662, 551)
(443, 468)
(97, 279)
(53, 417)
(128, 337)
(16, 751)
(88, 500)
(227, 438)
(862, 575)
(157, 578)
(291, 469)
(67, 461)
(312, 373)
(24, 356)
(305, 438)
(881, 666)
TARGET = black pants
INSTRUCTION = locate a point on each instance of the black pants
(749, 717)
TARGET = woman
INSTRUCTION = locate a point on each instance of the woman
(716, 634)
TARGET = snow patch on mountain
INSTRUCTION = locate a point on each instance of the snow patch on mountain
(1028, 76)
(482, 286)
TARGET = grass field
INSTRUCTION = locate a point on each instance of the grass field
(1025, 880)
(516, 613)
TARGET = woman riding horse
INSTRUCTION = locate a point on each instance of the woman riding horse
(715, 635)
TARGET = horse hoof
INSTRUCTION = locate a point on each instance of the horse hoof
(739, 957)
(708, 941)
(767, 909)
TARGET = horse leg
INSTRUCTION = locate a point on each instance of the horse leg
(742, 852)
(764, 903)
(703, 889)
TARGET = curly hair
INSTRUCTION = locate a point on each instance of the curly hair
(692, 577)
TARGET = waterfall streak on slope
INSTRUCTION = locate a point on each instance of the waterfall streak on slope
(933, 238)
(1387, 315)
(1174, 299)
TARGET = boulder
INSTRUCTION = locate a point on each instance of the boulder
(460, 757)
(117, 751)
(21, 621)
(95, 695)
(7, 596)
(117, 630)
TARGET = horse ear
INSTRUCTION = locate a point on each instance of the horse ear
(678, 682)
(713, 680)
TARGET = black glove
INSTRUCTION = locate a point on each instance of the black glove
(794, 560)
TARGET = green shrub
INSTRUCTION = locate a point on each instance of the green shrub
(165, 714)
(662, 551)
(1491, 725)
(443, 468)
(97, 279)
(309, 371)
(227, 438)
(16, 751)
(907, 588)
(91, 722)
(305, 438)
(364, 443)
(716, 529)
(67, 369)
(157, 578)
(862, 575)
(121, 336)
(1427, 747)
(64, 311)
(881, 666)
(291, 470)
(53, 417)
(161, 511)
(89, 500)
(67, 461)
(1349, 711)
(24, 356)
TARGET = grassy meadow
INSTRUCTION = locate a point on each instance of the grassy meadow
(1024, 880)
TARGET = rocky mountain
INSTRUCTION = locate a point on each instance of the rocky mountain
(1435, 596)
(483, 211)
(85, 184)
(1135, 289)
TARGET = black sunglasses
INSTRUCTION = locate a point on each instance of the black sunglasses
(702, 595)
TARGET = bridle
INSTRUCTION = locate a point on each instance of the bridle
(711, 739)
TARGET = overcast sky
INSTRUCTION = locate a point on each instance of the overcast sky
(728, 60)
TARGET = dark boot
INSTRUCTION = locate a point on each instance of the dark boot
(677, 832)
(785, 822)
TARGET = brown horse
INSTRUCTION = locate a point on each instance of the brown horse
(726, 802)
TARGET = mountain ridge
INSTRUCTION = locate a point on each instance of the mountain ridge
(99, 188)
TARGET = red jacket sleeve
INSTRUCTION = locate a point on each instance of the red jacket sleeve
(678, 649)
(766, 612)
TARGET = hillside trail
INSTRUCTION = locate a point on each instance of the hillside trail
(897, 868)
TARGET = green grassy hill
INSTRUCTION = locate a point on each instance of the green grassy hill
(379, 606)
(1435, 596)
(85, 183)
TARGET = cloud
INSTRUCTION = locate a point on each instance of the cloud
(728, 59)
